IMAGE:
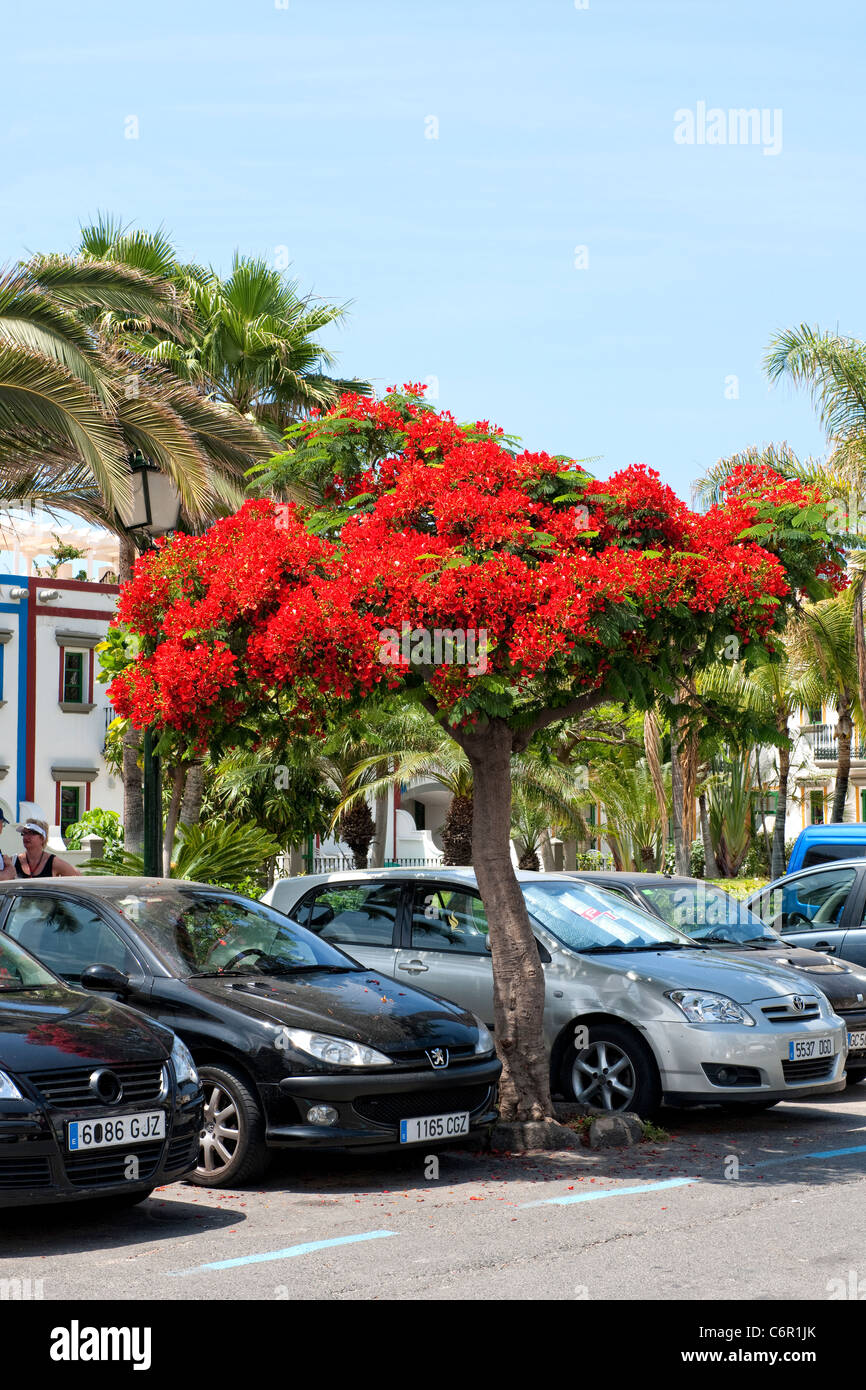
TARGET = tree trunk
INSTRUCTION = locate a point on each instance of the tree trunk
(652, 743)
(193, 792)
(777, 862)
(844, 729)
(518, 975)
(711, 868)
(545, 849)
(133, 794)
(681, 858)
(457, 831)
(377, 849)
(178, 779)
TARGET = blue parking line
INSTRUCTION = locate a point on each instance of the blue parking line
(611, 1192)
(286, 1254)
(798, 1158)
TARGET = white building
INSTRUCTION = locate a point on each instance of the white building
(53, 712)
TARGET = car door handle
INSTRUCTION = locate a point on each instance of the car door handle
(823, 946)
(414, 967)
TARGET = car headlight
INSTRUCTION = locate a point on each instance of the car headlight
(485, 1043)
(338, 1051)
(8, 1089)
(184, 1066)
(708, 1008)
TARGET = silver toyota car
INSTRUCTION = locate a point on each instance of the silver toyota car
(636, 1013)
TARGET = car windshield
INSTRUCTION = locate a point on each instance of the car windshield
(211, 933)
(18, 969)
(589, 919)
(707, 913)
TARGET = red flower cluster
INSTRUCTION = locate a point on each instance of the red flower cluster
(451, 533)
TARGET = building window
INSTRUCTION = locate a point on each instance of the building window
(863, 803)
(70, 808)
(73, 677)
(816, 807)
(813, 714)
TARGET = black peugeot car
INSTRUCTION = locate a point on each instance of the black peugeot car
(296, 1044)
(95, 1101)
(713, 917)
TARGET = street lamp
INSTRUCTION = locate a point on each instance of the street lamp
(155, 511)
(155, 499)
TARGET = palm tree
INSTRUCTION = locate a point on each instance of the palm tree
(411, 745)
(76, 403)
(634, 819)
(822, 640)
(770, 694)
(253, 342)
(833, 370)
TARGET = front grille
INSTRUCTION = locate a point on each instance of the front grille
(811, 1070)
(182, 1154)
(784, 1011)
(389, 1110)
(110, 1165)
(23, 1172)
(854, 1013)
(70, 1090)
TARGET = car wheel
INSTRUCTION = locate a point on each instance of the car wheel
(615, 1072)
(232, 1141)
(855, 1077)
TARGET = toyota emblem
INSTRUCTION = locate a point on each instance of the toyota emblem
(798, 1003)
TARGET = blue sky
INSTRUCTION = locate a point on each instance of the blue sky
(308, 127)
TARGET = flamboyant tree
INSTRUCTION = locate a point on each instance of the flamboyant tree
(504, 590)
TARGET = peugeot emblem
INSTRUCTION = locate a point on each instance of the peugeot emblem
(438, 1056)
(798, 1003)
(106, 1086)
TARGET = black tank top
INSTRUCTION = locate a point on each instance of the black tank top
(44, 872)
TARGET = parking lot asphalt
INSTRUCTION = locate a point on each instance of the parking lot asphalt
(755, 1207)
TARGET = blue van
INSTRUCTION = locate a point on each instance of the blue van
(822, 844)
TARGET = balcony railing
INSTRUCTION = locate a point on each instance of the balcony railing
(825, 745)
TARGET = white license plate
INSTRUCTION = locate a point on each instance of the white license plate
(111, 1130)
(433, 1127)
(857, 1040)
(801, 1049)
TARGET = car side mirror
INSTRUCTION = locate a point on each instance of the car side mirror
(106, 977)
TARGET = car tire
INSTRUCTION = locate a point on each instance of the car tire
(630, 1081)
(233, 1148)
(855, 1077)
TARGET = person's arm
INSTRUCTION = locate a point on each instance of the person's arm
(8, 868)
(63, 870)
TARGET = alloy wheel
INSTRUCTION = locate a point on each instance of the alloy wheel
(221, 1131)
(604, 1077)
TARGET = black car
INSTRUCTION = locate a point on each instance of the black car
(297, 1045)
(708, 914)
(95, 1101)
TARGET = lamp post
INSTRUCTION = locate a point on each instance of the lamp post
(155, 511)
